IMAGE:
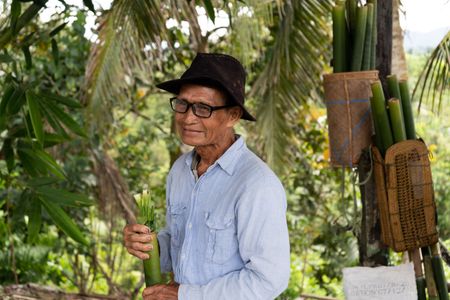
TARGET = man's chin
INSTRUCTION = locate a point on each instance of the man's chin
(192, 142)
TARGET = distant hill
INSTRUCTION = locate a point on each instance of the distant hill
(423, 41)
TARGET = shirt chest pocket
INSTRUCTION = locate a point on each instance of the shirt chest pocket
(222, 238)
(177, 216)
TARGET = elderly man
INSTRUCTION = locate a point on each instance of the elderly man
(226, 235)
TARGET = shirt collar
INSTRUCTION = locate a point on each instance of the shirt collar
(228, 160)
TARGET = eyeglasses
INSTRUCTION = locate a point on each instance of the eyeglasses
(199, 109)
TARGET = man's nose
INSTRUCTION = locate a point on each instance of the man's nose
(189, 114)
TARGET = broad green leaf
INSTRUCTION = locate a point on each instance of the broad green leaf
(27, 154)
(9, 91)
(5, 58)
(16, 8)
(16, 100)
(28, 60)
(63, 197)
(35, 115)
(89, 5)
(18, 132)
(55, 52)
(42, 157)
(67, 120)
(40, 181)
(51, 164)
(53, 121)
(34, 219)
(30, 164)
(51, 139)
(67, 101)
(210, 10)
(8, 153)
(63, 221)
(57, 29)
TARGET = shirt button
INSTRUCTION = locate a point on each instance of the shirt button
(190, 225)
(182, 256)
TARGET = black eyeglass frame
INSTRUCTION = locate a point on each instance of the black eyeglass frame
(194, 105)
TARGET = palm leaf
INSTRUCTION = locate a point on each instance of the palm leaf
(289, 79)
(248, 23)
(434, 82)
(119, 51)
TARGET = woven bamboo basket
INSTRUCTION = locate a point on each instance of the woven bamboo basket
(348, 113)
(405, 196)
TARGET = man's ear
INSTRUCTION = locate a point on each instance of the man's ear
(235, 114)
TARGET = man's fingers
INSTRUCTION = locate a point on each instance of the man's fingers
(153, 290)
(138, 246)
(138, 254)
(142, 238)
(135, 228)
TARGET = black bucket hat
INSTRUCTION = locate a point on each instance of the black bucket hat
(218, 70)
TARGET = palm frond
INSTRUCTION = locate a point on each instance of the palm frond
(127, 30)
(293, 68)
(248, 21)
(434, 82)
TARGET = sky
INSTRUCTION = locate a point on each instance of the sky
(425, 15)
(420, 15)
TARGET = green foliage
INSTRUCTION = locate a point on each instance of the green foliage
(36, 116)
(433, 84)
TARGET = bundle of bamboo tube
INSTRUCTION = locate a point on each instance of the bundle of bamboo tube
(394, 123)
(354, 36)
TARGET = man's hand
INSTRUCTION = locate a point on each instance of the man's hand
(137, 239)
(161, 292)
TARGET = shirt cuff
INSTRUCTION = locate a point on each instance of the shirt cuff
(189, 292)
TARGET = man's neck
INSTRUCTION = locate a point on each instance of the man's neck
(210, 153)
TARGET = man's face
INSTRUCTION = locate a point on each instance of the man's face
(196, 131)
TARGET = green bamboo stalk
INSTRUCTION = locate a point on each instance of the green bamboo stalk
(420, 283)
(378, 140)
(396, 117)
(380, 116)
(152, 268)
(351, 6)
(368, 38)
(439, 274)
(407, 110)
(373, 52)
(146, 216)
(339, 39)
(393, 87)
(429, 276)
(358, 42)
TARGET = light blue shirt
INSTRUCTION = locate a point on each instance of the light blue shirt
(226, 235)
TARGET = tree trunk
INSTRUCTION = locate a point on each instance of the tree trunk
(113, 193)
(384, 40)
(399, 66)
(371, 250)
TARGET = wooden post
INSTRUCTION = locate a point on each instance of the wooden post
(384, 40)
(371, 250)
